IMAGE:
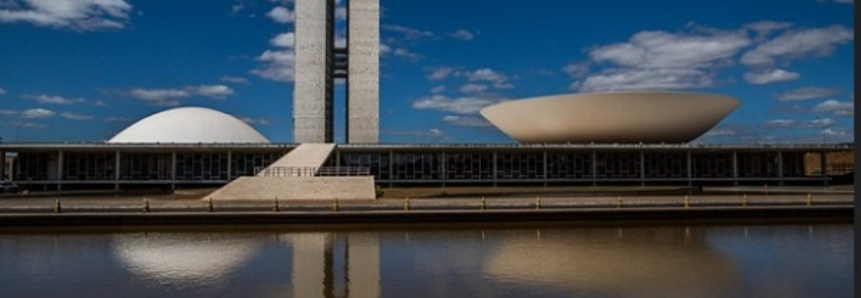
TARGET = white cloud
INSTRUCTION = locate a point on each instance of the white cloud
(81, 15)
(212, 91)
(27, 124)
(401, 52)
(384, 49)
(340, 13)
(720, 132)
(797, 44)
(788, 123)
(837, 108)
(473, 88)
(499, 80)
(118, 119)
(235, 80)
(780, 123)
(770, 76)
(764, 28)
(658, 60)
(433, 133)
(284, 40)
(169, 97)
(806, 93)
(462, 34)
(77, 117)
(833, 133)
(281, 15)
(409, 33)
(37, 113)
(258, 121)
(576, 70)
(440, 73)
(2, 92)
(839, 1)
(659, 49)
(646, 79)
(461, 105)
(53, 99)
(466, 121)
(277, 65)
(438, 89)
(819, 123)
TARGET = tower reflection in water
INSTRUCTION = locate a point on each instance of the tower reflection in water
(315, 262)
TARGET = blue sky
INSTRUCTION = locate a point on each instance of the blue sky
(82, 70)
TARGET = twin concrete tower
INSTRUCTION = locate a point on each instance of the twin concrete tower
(319, 62)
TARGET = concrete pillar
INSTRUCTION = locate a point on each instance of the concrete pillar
(391, 167)
(363, 265)
(594, 168)
(3, 171)
(735, 168)
(642, 167)
(823, 164)
(442, 163)
(60, 168)
(337, 157)
(690, 169)
(780, 168)
(545, 168)
(117, 170)
(495, 175)
(229, 165)
(173, 170)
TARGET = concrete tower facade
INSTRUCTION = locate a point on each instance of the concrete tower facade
(318, 63)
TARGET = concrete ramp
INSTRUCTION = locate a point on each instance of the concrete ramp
(294, 177)
(299, 160)
(296, 188)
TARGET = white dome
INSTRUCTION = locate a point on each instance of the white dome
(189, 125)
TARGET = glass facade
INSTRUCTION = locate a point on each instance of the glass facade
(407, 166)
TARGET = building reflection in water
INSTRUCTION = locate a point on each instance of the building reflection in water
(316, 259)
(666, 262)
(183, 259)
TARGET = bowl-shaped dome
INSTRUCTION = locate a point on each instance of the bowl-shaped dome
(189, 125)
(610, 117)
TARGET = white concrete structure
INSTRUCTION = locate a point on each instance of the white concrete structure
(319, 62)
(312, 91)
(189, 125)
(610, 117)
(294, 177)
(363, 85)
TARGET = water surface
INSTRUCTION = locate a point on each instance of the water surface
(538, 260)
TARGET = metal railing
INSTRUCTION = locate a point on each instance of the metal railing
(313, 171)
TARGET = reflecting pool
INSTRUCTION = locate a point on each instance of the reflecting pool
(515, 260)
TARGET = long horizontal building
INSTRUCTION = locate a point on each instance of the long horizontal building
(125, 166)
